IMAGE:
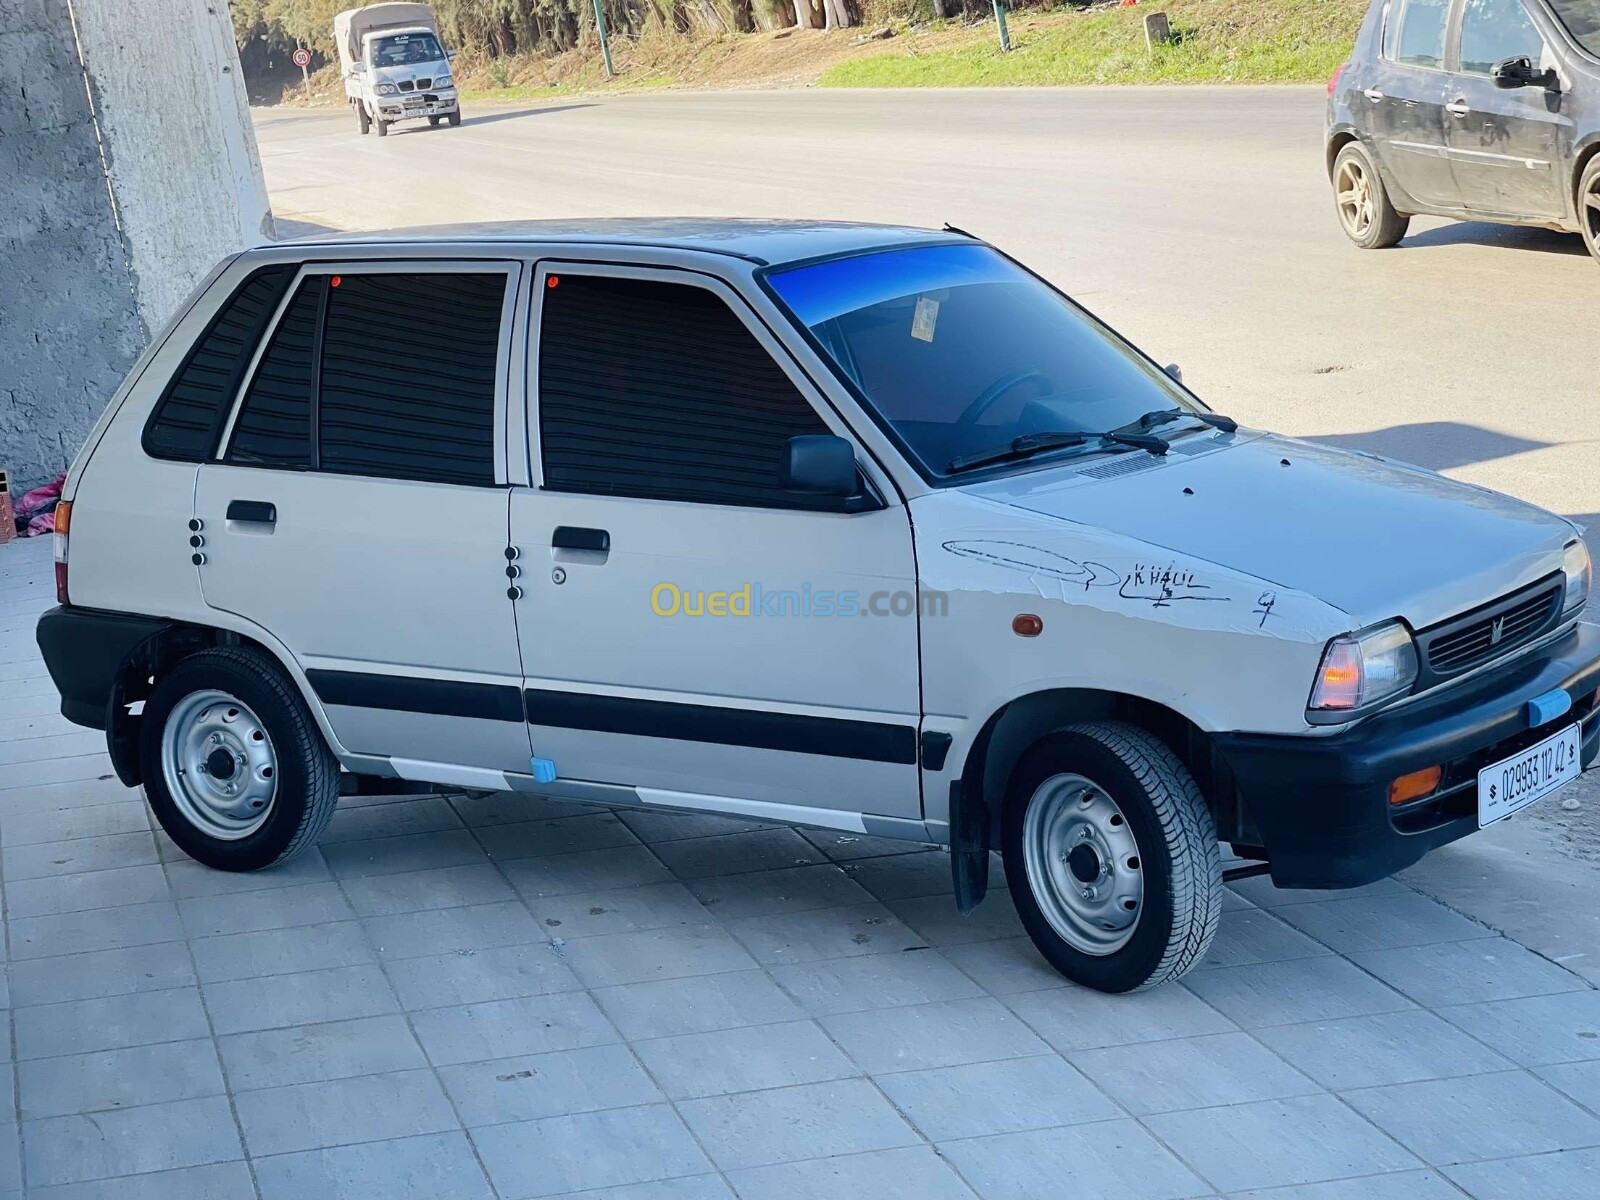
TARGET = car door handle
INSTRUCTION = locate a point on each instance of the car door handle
(255, 512)
(1373, 94)
(574, 537)
(1458, 108)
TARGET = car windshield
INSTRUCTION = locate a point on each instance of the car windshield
(959, 351)
(1582, 19)
(403, 49)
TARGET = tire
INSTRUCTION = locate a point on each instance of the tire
(235, 703)
(433, 122)
(1139, 834)
(362, 119)
(454, 116)
(382, 126)
(1366, 214)
(1589, 206)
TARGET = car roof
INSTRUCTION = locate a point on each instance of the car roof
(766, 242)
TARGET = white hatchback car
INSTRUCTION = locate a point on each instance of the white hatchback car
(856, 527)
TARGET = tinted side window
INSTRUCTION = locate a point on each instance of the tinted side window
(274, 425)
(1422, 27)
(657, 390)
(1495, 29)
(190, 413)
(408, 374)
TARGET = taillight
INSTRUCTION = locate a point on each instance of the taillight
(1333, 84)
(63, 518)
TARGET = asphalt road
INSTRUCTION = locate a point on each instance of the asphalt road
(1198, 221)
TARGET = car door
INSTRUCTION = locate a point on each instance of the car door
(1406, 102)
(688, 628)
(357, 513)
(1505, 144)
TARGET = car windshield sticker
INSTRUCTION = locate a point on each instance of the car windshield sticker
(926, 317)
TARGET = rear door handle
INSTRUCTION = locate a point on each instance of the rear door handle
(574, 537)
(1373, 94)
(255, 512)
(1458, 108)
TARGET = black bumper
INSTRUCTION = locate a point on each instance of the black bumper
(84, 650)
(1321, 804)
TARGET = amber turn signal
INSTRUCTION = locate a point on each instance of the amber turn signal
(1027, 625)
(1415, 785)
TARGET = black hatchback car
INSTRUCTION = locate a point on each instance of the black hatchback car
(1483, 110)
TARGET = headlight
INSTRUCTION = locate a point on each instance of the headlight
(1361, 669)
(444, 81)
(1579, 571)
(387, 89)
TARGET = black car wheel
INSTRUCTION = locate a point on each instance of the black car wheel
(1366, 214)
(1589, 206)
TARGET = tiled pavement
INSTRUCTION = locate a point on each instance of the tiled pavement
(457, 998)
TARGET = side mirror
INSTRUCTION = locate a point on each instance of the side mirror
(820, 465)
(1519, 72)
(359, 67)
(452, 55)
(1174, 370)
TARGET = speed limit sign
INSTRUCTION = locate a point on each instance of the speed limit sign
(302, 58)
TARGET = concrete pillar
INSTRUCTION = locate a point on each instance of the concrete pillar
(128, 168)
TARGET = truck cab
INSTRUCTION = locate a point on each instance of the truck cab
(395, 66)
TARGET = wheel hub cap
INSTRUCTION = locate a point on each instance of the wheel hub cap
(1355, 199)
(1083, 864)
(219, 765)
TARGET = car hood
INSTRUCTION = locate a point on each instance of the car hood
(1374, 538)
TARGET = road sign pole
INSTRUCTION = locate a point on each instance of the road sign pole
(605, 44)
(1000, 22)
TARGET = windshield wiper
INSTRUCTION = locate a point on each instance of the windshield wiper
(1030, 444)
(1164, 416)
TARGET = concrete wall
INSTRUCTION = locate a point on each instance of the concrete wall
(128, 168)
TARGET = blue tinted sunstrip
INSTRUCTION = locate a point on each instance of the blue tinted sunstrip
(826, 290)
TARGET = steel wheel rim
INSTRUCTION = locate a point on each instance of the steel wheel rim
(1084, 866)
(1354, 193)
(219, 764)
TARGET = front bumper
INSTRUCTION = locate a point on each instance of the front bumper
(1321, 804)
(434, 104)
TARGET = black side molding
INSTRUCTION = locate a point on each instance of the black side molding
(834, 737)
(401, 693)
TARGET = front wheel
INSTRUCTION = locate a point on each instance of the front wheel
(1589, 206)
(1366, 214)
(234, 766)
(363, 121)
(382, 127)
(454, 116)
(1112, 857)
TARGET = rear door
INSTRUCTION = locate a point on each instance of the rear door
(688, 628)
(1406, 102)
(358, 511)
(1505, 144)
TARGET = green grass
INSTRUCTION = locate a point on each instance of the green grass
(1220, 41)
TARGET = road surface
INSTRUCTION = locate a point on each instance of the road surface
(1196, 220)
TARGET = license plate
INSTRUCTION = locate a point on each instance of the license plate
(1516, 782)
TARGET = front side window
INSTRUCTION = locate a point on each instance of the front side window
(1492, 30)
(1582, 19)
(382, 374)
(958, 351)
(404, 49)
(1422, 30)
(657, 390)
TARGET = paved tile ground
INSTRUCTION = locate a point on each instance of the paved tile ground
(455, 998)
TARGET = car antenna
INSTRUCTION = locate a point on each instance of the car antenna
(949, 228)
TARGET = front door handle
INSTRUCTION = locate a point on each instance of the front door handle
(574, 537)
(255, 512)
(1458, 108)
(1373, 94)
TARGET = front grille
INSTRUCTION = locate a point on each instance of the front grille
(1496, 629)
(424, 84)
(405, 85)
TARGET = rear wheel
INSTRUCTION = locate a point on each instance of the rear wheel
(1113, 857)
(1589, 206)
(234, 767)
(362, 119)
(1366, 214)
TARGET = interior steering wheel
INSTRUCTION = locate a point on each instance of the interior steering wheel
(994, 392)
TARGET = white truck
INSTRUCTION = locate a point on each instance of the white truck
(395, 67)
